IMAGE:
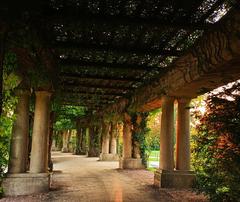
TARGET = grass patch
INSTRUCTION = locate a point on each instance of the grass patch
(153, 159)
(152, 169)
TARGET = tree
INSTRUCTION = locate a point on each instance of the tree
(216, 146)
(66, 119)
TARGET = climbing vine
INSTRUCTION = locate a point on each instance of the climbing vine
(10, 82)
(140, 129)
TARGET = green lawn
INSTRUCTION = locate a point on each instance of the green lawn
(154, 156)
(153, 160)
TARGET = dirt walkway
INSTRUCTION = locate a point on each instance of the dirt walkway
(77, 178)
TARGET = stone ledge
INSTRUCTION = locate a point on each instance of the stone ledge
(108, 157)
(26, 183)
(179, 179)
(131, 163)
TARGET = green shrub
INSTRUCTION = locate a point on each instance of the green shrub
(216, 146)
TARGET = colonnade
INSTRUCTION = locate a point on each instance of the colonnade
(170, 174)
(19, 180)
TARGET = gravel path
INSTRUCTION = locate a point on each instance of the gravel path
(77, 178)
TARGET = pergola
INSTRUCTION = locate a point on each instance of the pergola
(102, 51)
(120, 57)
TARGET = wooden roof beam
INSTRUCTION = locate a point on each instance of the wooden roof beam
(87, 102)
(99, 64)
(86, 98)
(69, 75)
(80, 18)
(97, 86)
(70, 90)
(121, 50)
(95, 107)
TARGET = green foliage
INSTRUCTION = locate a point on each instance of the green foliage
(10, 81)
(66, 117)
(216, 147)
(139, 134)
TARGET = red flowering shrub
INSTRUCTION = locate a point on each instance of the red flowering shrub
(216, 146)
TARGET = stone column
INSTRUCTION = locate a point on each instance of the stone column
(105, 138)
(114, 134)
(78, 140)
(83, 142)
(136, 144)
(65, 137)
(19, 142)
(104, 156)
(166, 176)
(127, 137)
(129, 161)
(183, 135)
(40, 133)
(166, 136)
(93, 150)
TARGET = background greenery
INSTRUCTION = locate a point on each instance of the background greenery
(216, 145)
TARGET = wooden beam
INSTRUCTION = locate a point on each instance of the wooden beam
(86, 98)
(98, 86)
(99, 64)
(85, 103)
(70, 90)
(121, 50)
(69, 75)
(79, 18)
(95, 107)
(74, 94)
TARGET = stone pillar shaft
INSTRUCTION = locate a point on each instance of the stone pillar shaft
(166, 135)
(66, 137)
(79, 137)
(19, 141)
(40, 133)
(105, 138)
(113, 146)
(183, 135)
(127, 137)
(83, 142)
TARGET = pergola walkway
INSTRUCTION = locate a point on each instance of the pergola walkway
(77, 178)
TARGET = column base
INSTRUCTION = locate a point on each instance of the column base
(26, 183)
(131, 163)
(108, 157)
(174, 179)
